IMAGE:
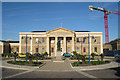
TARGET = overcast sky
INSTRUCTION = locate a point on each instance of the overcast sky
(32, 16)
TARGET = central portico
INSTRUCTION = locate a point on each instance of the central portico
(57, 41)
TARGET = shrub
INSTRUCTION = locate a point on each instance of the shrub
(107, 61)
(93, 55)
(86, 62)
(102, 56)
(75, 64)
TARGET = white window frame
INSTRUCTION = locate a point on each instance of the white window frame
(43, 50)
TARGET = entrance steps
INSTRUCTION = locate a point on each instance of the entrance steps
(58, 59)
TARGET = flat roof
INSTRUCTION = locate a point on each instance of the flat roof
(75, 31)
(9, 41)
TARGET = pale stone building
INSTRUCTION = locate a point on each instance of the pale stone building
(47, 41)
(7, 47)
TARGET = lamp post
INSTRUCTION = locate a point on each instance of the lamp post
(89, 44)
(26, 45)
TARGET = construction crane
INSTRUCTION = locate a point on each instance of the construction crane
(106, 12)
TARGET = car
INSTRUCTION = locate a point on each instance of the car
(38, 54)
(21, 55)
(117, 56)
(67, 55)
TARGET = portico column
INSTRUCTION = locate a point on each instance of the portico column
(73, 44)
(64, 44)
(56, 39)
(48, 51)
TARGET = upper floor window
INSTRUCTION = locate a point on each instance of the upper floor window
(77, 39)
(95, 40)
(36, 40)
(43, 40)
(84, 49)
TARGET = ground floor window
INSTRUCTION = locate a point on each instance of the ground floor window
(17, 49)
(36, 49)
(43, 50)
(78, 49)
(68, 50)
(95, 49)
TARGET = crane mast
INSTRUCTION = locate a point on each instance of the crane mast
(106, 12)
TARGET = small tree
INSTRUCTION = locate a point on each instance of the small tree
(36, 57)
(102, 56)
(15, 56)
(30, 57)
(77, 55)
(45, 55)
(93, 55)
(83, 59)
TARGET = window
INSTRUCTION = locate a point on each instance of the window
(78, 49)
(52, 49)
(95, 49)
(43, 50)
(84, 49)
(95, 41)
(77, 39)
(36, 49)
(68, 50)
(17, 49)
(43, 40)
(36, 40)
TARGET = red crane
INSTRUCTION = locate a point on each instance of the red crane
(106, 12)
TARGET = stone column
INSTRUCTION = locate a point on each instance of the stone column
(90, 44)
(101, 44)
(31, 44)
(48, 46)
(64, 45)
(73, 44)
(20, 43)
(56, 39)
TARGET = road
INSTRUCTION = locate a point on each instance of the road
(106, 73)
(15, 74)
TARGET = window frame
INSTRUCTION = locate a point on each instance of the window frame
(43, 40)
(78, 50)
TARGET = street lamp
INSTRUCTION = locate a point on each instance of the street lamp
(26, 45)
(89, 44)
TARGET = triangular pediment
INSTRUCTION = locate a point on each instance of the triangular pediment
(61, 30)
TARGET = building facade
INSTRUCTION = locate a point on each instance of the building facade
(60, 38)
(112, 45)
(7, 47)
